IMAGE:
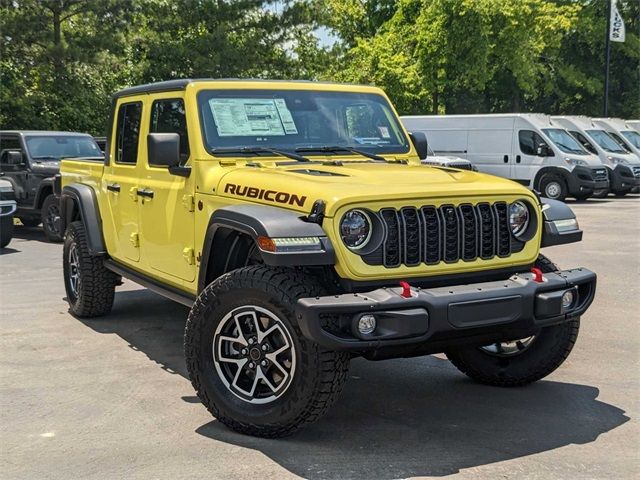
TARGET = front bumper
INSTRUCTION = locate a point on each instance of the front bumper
(587, 180)
(433, 319)
(623, 179)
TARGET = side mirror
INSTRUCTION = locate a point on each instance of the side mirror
(544, 150)
(163, 149)
(14, 158)
(419, 140)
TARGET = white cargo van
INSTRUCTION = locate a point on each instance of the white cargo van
(528, 148)
(623, 167)
(635, 124)
(624, 133)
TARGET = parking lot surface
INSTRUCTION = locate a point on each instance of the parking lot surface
(109, 398)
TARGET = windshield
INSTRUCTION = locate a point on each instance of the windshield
(295, 119)
(564, 141)
(632, 137)
(51, 147)
(607, 143)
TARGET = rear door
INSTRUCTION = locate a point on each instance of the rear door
(120, 181)
(167, 207)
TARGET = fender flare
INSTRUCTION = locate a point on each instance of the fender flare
(553, 211)
(80, 200)
(45, 184)
(266, 221)
(565, 174)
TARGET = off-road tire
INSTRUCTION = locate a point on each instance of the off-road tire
(50, 207)
(548, 350)
(6, 230)
(30, 222)
(96, 289)
(320, 374)
(549, 178)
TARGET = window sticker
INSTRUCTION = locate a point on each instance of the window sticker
(371, 141)
(384, 132)
(236, 117)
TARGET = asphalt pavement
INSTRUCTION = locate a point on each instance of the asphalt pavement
(109, 398)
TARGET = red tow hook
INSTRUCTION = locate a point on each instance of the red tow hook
(406, 290)
(537, 275)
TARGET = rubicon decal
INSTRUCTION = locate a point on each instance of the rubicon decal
(268, 195)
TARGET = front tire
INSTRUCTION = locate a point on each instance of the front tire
(6, 230)
(522, 361)
(89, 285)
(248, 360)
(51, 218)
(553, 186)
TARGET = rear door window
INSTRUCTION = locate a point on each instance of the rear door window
(128, 132)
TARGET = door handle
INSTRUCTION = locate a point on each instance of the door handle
(506, 159)
(145, 193)
(518, 159)
(113, 187)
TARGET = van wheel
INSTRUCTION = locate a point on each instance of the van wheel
(520, 361)
(89, 285)
(51, 218)
(248, 360)
(553, 186)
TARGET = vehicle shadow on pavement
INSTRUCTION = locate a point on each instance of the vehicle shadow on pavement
(395, 419)
(30, 233)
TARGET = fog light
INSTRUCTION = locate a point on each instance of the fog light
(366, 324)
(567, 299)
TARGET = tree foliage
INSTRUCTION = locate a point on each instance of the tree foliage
(60, 60)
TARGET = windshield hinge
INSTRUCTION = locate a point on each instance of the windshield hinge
(189, 202)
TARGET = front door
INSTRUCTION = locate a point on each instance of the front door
(167, 207)
(528, 162)
(120, 181)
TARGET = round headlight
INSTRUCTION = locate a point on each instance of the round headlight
(355, 229)
(518, 218)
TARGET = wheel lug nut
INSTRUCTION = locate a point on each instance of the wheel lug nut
(251, 341)
(251, 365)
(244, 351)
(263, 363)
(264, 348)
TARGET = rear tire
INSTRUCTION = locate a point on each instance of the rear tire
(553, 186)
(6, 230)
(51, 218)
(523, 361)
(89, 285)
(225, 352)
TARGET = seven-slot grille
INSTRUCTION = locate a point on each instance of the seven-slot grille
(448, 233)
(600, 174)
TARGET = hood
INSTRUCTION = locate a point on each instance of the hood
(299, 186)
(45, 167)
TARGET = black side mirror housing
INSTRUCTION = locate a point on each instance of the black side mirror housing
(544, 150)
(419, 140)
(163, 149)
(15, 158)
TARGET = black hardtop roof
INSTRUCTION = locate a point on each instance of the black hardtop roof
(44, 133)
(181, 84)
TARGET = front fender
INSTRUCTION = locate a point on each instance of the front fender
(560, 225)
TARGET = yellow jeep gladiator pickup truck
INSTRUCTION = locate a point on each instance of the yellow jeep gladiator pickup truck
(296, 221)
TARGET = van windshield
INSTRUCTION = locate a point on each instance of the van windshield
(632, 137)
(564, 141)
(55, 147)
(607, 143)
(302, 120)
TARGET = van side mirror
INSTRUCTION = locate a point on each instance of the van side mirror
(419, 140)
(14, 158)
(163, 149)
(544, 150)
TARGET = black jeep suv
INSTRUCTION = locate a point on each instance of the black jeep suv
(30, 160)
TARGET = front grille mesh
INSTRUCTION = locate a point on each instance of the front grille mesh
(448, 234)
(600, 174)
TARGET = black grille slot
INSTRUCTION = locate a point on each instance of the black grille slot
(451, 224)
(504, 235)
(449, 233)
(600, 174)
(391, 252)
(412, 236)
(432, 235)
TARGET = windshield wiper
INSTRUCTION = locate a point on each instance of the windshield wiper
(46, 157)
(338, 148)
(259, 150)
